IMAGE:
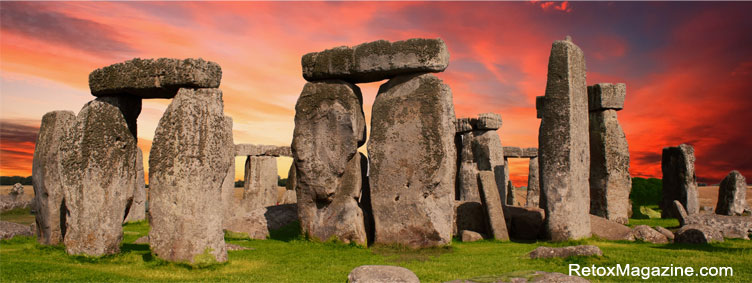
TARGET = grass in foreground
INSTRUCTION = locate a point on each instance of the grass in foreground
(287, 257)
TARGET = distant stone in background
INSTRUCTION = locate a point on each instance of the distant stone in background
(497, 226)
(262, 150)
(257, 223)
(732, 194)
(697, 234)
(413, 162)
(292, 178)
(564, 252)
(229, 204)
(98, 170)
(679, 180)
(192, 151)
(137, 210)
(154, 78)
(605, 96)
(377, 60)
(381, 274)
(16, 190)
(9, 230)
(533, 184)
(260, 187)
(464, 125)
(470, 236)
(47, 179)
(738, 227)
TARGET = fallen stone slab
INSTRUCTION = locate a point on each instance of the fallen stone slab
(646, 234)
(9, 230)
(262, 150)
(142, 240)
(732, 194)
(606, 96)
(738, 227)
(381, 274)
(470, 215)
(154, 78)
(666, 232)
(610, 230)
(525, 223)
(489, 194)
(697, 234)
(564, 252)
(525, 276)
(470, 236)
(8, 203)
(377, 60)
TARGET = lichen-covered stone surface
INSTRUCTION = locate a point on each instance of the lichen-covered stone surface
(260, 186)
(533, 184)
(488, 155)
(679, 180)
(329, 128)
(487, 121)
(137, 209)
(47, 179)
(698, 234)
(262, 150)
(732, 194)
(610, 182)
(190, 156)
(377, 60)
(381, 273)
(564, 147)
(497, 225)
(564, 252)
(413, 161)
(647, 234)
(605, 96)
(99, 173)
(154, 78)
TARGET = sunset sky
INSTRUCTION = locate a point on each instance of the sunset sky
(687, 66)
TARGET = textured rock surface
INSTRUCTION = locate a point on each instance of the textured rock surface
(470, 236)
(647, 234)
(292, 178)
(16, 190)
(605, 96)
(10, 202)
(464, 125)
(46, 178)
(513, 151)
(732, 195)
(154, 78)
(730, 226)
(9, 230)
(564, 147)
(533, 184)
(262, 150)
(189, 160)
(468, 181)
(697, 234)
(413, 161)
(129, 106)
(539, 102)
(564, 252)
(487, 121)
(381, 274)
(679, 180)
(497, 225)
(511, 198)
(137, 209)
(525, 223)
(610, 230)
(256, 223)
(488, 154)
(610, 182)
(260, 187)
(375, 61)
(666, 232)
(525, 276)
(99, 173)
(329, 128)
(229, 203)
(471, 216)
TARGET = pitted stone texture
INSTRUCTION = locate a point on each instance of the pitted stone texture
(260, 187)
(679, 180)
(647, 234)
(375, 61)
(698, 234)
(189, 160)
(525, 223)
(530, 152)
(470, 236)
(99, 172)
(229, 203)
(129, 106)
(487, 121)
(488, 154)
(666, 232)
(9, 230)
(471, 216)
(564, 148)
(738, 227)
(262, 150)
(329, 128)
(464, 125)
(732, 195)
(539, 102)
(564, 252)
(413, 162)
(256, 223)
(47, 179)
(292, 178)
(497, 225)
(381, 274)
(137, 209)
(533, 184)
(154, 78)
(610, 230)
(605, 96)
(468, 181)
(511, 199)
(512, 151)
(610, 183)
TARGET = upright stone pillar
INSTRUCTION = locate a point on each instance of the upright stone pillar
(47, 179)
(192, 152)
(679, 180)
(260, 188)
(99, 173)
(329, 128)
(413, 162)
(732, 195)
(228, 186)
(488, 152)
(533, 185)
(564, 145)
(610, 182)
(467, 168)
(137, 209)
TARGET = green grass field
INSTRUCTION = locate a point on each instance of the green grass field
(287, 257)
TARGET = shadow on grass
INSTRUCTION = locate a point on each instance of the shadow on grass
(287, 233)
(399, 253)
(125, 248)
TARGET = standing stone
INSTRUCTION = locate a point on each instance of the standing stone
(533, 185)
(189, 161)
(497, 225)
(679, 180)
(292, 179)
(610, 182)
(129, 106)
(564, 145)
(99, 173)
(467, 173)
(47, 179)
(260, 188)
(511, 199)
(732, 195)
(137, 209)
(413, 161)
(488, 154)
(329, 128)
(228, 186)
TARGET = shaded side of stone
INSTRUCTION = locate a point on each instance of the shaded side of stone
(137, 209)
(471, 216)
(610, 183)
(260, 186)
(679, 180)
(606, 96)
(697, 234)
(533, 185)
(129, 106)
(497, 226)
(525, 223)
(732, 195)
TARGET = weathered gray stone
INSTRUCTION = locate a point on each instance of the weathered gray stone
(46, 179)
(738, 227)
(464, 125)
(564, 148)
(525, 223)
(666, 232)
(262, 150)
(488, 154)
(256, 223)
(329, 128)
(679, 180)
(468, 181)
(99, 172)
(9, 230)
(228, 186)
(129, 106)
(647, 234)
(512, 151)
(539, 102)
(523, 276)
(16, 190)
(260, 187)
(11, 202)
(530, 152)
(610, 183)
(533, 185)
(511, 198)
(697, 234)
(605, 96)
(564, 252)
(292, 178)
(154, 78)
(137, 209)
(375, 61)
(470, 236)
(609, 230)
(497, 226)
(381, 274)
(487, 121)
(413, 161)
(471, 216)
(732, 195)
(189, 161)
